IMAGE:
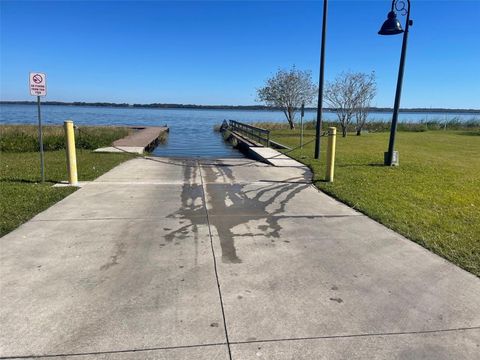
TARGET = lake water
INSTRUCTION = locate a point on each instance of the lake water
(191, 131)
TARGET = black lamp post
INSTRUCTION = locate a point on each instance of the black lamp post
(392, 27)
(318, 128)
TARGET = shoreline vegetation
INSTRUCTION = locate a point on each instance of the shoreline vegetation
(471, 126)
(24, 138)
(22, 195)
(229, 107)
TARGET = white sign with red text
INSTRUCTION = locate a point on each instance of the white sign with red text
(38, 84)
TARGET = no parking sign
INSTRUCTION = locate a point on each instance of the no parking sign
(38, 87)
(38, 84)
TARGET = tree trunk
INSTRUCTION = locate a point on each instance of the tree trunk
(290, 121)
(289, 117)
(359, 132)
(344, 131)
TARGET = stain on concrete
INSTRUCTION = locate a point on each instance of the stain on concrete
(338, 300)
(192, 209)
(119, 252)
(230, 204)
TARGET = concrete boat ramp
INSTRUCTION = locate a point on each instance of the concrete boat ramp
(225, 259)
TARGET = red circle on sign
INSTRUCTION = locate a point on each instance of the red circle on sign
(37, 78)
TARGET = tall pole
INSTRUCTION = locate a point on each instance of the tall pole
(40, 140)
(393, 128)
(320, 82)
(302, 114)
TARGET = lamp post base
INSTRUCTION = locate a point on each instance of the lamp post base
(395, 160)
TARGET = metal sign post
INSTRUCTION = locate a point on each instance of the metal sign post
(38, 87)
(40, 140)
(302, 114)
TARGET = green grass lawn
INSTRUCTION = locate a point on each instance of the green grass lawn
(433, 197)
(22, 196)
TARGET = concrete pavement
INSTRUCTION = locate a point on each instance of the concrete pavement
(233, 259)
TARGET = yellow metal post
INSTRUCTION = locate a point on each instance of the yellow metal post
(332, 136)
(71, 153)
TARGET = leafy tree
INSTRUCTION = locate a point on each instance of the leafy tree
(286, 90)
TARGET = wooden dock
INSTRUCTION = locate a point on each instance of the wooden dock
(143, 139)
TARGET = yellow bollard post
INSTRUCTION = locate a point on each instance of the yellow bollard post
(332, 138)
(71, 153)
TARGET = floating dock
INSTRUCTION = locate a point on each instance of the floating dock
(143, 139)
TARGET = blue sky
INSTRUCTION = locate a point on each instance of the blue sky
(220, 52)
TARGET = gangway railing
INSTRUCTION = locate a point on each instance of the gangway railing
(259, 135)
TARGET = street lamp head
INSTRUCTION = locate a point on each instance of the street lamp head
(391, 26)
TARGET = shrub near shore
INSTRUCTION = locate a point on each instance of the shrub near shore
(24, 138)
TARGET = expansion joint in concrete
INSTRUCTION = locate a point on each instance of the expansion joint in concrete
(347, 336)
(204, 195)
(109, 352)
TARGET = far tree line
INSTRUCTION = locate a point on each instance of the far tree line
(227, 107)
(349, 95)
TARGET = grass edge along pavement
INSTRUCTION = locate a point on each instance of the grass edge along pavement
(432, 198)
(22, 195)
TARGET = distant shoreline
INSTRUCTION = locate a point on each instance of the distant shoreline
(227, 107)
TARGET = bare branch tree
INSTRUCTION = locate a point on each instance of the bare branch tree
(287, 89)
(348, 95)
(367, 89)
(339, 95)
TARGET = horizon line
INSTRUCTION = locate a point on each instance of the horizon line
(218, 107)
